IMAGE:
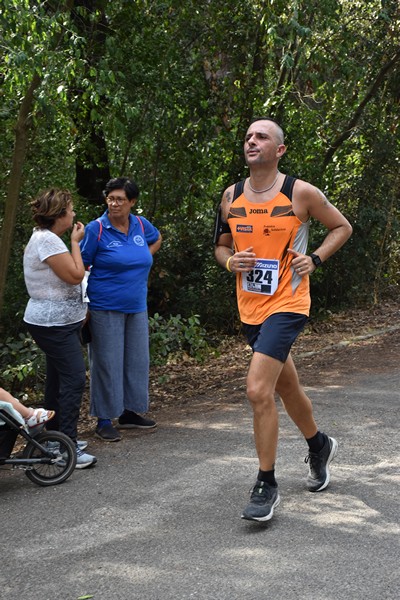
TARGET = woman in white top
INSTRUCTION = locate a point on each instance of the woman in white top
(55, 310)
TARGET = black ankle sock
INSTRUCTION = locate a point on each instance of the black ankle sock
(268, 477)
(317, 442)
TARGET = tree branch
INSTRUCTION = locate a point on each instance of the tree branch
(360, 108)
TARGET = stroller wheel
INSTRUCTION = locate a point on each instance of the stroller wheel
(64, 452)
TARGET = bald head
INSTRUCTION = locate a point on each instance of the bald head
(272, 126)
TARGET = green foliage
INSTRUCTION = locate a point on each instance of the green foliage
(163, 92)
(186, 279)
(21, 363)
(175, 338)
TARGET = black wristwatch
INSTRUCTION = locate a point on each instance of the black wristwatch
(316, 260)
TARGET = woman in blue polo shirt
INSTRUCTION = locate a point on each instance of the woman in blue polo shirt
(119, 248)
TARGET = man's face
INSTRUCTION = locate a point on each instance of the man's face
(263, 143)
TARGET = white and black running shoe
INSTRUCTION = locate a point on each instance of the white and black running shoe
(318, 464)
(264, 498)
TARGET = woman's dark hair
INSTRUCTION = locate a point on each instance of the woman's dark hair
(49, 206)
(122, 183)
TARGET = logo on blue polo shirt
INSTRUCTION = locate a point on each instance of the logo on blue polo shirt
(139, 241)
(114, 244)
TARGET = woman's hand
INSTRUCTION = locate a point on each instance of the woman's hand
(78, 231)
(68, 266)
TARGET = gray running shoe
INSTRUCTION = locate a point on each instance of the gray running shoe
(318, 464)
(264, 498)
(82, 444)
(83, 459)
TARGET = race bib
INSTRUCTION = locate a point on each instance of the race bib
(263, 279)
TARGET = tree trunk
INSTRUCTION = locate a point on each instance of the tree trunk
(15, 181)
(92, 168)
(19, 155)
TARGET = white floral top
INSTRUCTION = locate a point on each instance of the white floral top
(52, 301)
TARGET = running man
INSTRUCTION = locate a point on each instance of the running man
(262, 236)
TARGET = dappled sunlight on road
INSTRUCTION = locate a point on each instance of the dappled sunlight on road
(348, 513)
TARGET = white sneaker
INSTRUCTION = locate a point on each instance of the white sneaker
(84, 460)
(82, 444)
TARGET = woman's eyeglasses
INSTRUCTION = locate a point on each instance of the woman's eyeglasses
(118, 200)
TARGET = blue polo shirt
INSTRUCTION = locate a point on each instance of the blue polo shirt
(119, 264)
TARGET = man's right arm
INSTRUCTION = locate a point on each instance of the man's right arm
(236, 262)
(223, 239)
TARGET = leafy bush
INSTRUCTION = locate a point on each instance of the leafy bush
(176, 337)
(21, 363)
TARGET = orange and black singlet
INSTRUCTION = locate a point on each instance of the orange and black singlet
(271, 228)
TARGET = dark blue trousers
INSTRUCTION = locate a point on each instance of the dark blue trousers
(65, 374)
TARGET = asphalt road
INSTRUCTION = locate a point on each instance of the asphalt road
(158, 518)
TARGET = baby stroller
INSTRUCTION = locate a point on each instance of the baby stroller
(48, 458)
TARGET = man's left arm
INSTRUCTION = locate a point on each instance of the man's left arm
(312, 202)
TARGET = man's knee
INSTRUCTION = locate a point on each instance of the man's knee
(259, 396)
